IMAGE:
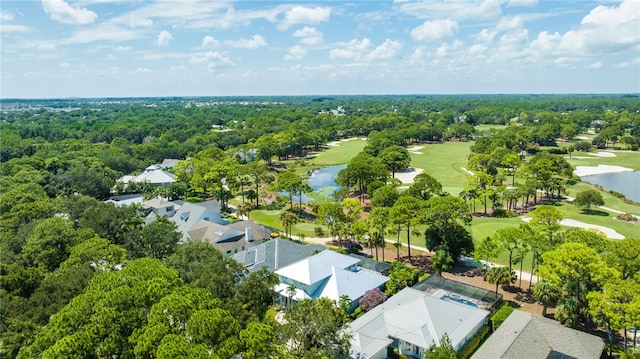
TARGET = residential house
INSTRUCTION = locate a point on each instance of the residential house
(327, 274)
(411, 321)
(275, 254)
(125, 199)
(191, 213)
(526, 335)
(169, 163)
(152, 175)
(231, 238)
(158, 207)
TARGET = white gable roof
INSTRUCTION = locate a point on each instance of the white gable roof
(317, 267)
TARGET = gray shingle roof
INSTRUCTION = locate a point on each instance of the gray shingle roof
(525, 335)
(275, 254)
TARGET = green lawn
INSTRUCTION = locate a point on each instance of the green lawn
(488, 127)
(444, 161)
(271, 218)
(337, 155)
(609, 200)
(623, 158)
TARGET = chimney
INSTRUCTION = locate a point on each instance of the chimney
(247, 234)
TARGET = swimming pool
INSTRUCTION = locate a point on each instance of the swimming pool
(457, 298)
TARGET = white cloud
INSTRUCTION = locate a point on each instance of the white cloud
(102, 32)
(595, 65)
(309, 36)
(209, 41)
(163, 38)
(6, 15)
(434, 30)
(628, 10)
(389, 49)
(254, 42)
(142, 70)
(304, 15)
(445, 49)
(212, 59)
(61, 11)
(522, 3)
(603, 32)
(122, 48)
(634, 62)
(7, 28)
(351, 50)
(295, 53)
(135, 21)
(457, 10)
(509, 23)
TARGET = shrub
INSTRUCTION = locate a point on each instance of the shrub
(319, 231)
(583, 146)
(473, 344)
(557, 151)
(500, 316)
(275, 206)
(371, 299)
(628, 217)
(504, 213)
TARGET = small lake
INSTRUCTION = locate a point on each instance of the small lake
(322, 181)
(627, 183)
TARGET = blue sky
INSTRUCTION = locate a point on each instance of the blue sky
(124, 48)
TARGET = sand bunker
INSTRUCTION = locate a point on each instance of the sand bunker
(408, 175)
(602, 154)
(609, 232)
(582, 171)
(415, 148)
(337, 143)
(470, 173)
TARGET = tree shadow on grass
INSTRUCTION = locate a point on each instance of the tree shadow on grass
(596, 212)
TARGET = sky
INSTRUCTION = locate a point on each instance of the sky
(133, 48)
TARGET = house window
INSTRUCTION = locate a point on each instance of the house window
(170, 208)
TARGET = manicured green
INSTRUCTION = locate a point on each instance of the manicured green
(341, 154)
(444, 161)
(488, 127)
(271, 218)
(610, 200)
(623, 158)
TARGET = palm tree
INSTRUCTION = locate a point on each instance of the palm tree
(291, 292)
(441, 261)
(288, 219)
(500, 276)
(546, 293)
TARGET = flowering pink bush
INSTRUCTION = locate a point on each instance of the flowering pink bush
(371, 299)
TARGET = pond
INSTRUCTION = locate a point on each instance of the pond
(322, 181)
(627, 183)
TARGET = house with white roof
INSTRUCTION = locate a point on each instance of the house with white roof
(327, 274)
(411, 321)
(191, 213)
(152, 175)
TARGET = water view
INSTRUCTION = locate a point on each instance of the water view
(627, 183)
(323, 181)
